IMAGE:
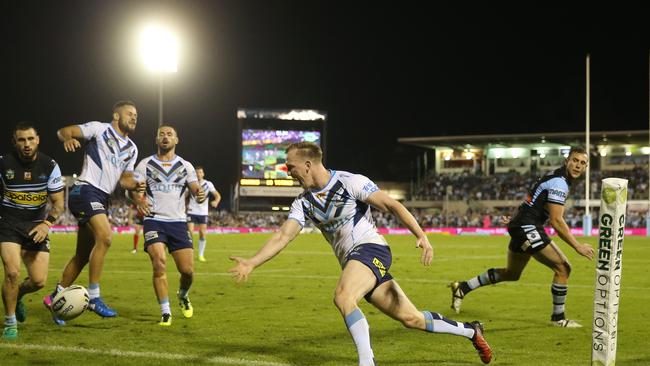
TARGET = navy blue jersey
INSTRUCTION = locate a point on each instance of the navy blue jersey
(552, 188)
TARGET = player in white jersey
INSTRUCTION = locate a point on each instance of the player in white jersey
(109, 159)
(168, 176)
(545, 201)
(197, 213)
(338, 203)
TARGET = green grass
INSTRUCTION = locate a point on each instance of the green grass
(285, 315)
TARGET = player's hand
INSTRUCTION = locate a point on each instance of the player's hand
(144, 207)
(200, 195)
(242, 269)
(585, 250)
(39, 232)
(427, 250)
(71, 145)
(214, 204)
(141, 187)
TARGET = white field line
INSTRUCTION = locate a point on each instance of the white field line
(399, 279)
(149, 355)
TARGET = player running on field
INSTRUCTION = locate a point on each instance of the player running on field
(168, 176)
(545, 201)
(109, 158)
(197, 213)
(338, 203)
(28, 178)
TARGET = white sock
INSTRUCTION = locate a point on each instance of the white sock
(164, 306)
(93, 290)
(202, 243)
(436, 323)
(360, 331)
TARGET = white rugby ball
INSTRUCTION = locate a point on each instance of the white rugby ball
(70, 302)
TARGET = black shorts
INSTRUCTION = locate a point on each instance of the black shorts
(376, 257)
(173, 234)
(17, 232)
(197, 219)
(86, 201)
(528, 239)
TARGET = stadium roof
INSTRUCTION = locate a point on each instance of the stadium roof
(507, 140)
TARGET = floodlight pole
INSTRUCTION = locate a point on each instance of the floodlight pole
(586, 221)
(647, 214)
(160, 98)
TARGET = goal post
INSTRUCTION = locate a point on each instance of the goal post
(607, 292)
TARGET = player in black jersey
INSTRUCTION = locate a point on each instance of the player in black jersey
(27, 179)
(545, 201)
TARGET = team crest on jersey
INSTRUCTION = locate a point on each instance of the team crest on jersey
(110, 143)
(28, 175)
(10, 174)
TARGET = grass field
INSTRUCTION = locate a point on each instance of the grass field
(284, 315)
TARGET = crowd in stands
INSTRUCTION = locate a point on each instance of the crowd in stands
(513, 186)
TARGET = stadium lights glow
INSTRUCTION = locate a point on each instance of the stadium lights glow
(542, 155)
(645, 150)
(159, 49)
(628, 153)
(603, 152)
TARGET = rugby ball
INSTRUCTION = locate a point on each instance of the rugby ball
(70, 302)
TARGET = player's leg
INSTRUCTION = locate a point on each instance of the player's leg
(203, 228)
(356, 281)
(103, 236)
(36, 262)
(552, 257)
(158, 258)
(10, 253)
(517, 260)
(184, 259)
(392, 301)
(136, 237)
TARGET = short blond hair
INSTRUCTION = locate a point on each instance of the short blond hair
(307, 150)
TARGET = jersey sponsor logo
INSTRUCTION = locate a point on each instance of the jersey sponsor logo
(150, 235)
(557, 193)
(55, 180)
(370, 187)
(96, 206)
(166, 187)
(26, 198)
(10, 174)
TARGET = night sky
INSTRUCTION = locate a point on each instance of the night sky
(381, 71)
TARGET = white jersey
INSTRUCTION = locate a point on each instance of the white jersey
(167, 182)
(107, 155)
(201, 209)
(340, 212)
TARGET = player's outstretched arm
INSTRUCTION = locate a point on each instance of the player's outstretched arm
(556, 214)
(70, 136)
(244, 266)
(40, 231)
(131, 182)
(385, 203)
(197, 191)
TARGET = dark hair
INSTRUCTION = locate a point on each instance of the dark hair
(122, 103)
(199, 167)
(307, 150)
(577, 150)
(22, 126)
(168, 126)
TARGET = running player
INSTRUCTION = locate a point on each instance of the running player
(338, 203)
(545, 201)
(167, 178)
(197, 213)
(27, 179)
(109, 159)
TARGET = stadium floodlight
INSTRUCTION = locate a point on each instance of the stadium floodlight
(159, 48)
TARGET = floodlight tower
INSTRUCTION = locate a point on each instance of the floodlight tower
(159, 49)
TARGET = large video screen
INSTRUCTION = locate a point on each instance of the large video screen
(263, 155)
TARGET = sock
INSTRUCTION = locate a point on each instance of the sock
(57, 289)
(164, 306)
(559, 297)
(489, 277)
(436, 323)
(10, 320)
(182, 292)
(360, 332)
(93, 290)
(136, 238)
(202, 243)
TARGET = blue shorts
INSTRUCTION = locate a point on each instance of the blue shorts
(197, 219)
(86, 201)
(376, 257)
(173, 234)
